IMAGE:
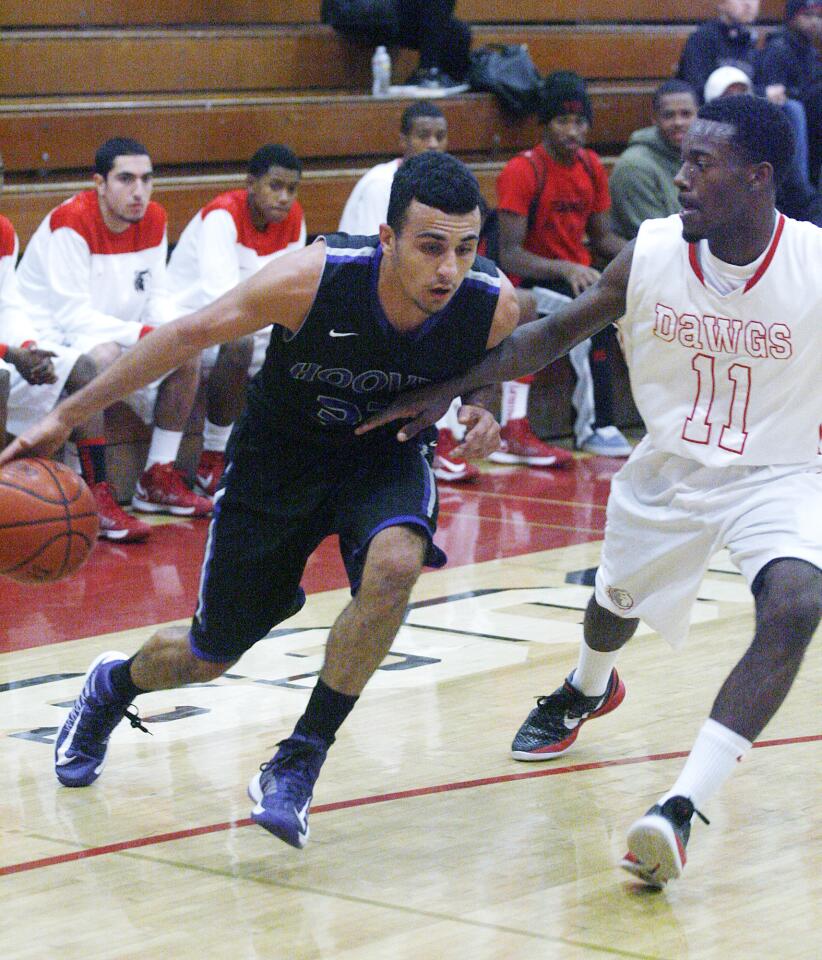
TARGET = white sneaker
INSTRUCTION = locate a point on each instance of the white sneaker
(607, 442)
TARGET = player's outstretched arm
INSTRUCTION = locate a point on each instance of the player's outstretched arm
(281, 292)
(528, 349)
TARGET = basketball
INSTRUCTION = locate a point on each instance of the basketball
(48, 521)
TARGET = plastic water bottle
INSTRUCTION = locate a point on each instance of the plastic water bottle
(380, 72)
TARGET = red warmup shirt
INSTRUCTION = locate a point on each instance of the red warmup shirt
(569, 197)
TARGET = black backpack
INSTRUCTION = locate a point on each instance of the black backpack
(507, 71)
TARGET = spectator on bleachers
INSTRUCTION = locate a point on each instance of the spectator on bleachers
(444, 42)
(792, 199)
(549, 198)
(813, 112)
(422, 127)
(642, 180)
(727, 82)
(228, 240)
(731, 40)
(792, 61)
(35, 374)
(94, 275)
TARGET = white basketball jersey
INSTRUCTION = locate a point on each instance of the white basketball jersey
(732, 379)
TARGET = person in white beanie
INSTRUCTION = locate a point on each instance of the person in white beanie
(726, 81)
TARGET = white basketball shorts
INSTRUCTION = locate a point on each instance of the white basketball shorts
(667, 516)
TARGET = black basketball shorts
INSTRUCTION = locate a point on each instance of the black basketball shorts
(270, 515)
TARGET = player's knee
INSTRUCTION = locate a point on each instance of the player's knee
(393, 568)
(83, 372)
(236, 355)
(798, 615)
(103, 355)
(601, 624)
(789, 600)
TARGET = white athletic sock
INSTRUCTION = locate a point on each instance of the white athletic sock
(593, 670)
(165, 445)
(71, 458)
(514, 400)
(215, 437)
(712, 760)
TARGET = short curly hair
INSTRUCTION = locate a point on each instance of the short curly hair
(762, 132)
(418, 109)
(435, 179)
(273, 155)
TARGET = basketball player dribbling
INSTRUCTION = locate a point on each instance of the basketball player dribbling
(719, 312)
(358, 319)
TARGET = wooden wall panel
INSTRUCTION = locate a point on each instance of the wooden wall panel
(96, 62)
(200, 134)
(24, 13)
(322, 194)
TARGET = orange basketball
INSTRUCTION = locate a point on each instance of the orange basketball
(48, 521)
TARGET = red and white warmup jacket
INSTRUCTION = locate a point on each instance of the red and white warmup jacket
(87, 285)
(15, 327)
(220, 247)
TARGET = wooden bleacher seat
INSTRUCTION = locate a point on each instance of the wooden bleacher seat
(241, 59)
(88, 13)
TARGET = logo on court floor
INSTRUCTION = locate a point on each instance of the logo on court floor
(620, 598)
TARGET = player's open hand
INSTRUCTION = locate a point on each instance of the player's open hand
(421, 408)
(42, 440)
(481, 433)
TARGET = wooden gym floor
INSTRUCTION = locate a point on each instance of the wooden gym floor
(427, 841)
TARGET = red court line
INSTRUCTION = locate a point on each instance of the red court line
(365, 801)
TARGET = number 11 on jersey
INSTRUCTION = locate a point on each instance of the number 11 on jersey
(699, 427)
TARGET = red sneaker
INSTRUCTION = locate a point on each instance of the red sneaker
(115, 523)
(161, 490)
(519, 444)
(448, 468)
(209, 470)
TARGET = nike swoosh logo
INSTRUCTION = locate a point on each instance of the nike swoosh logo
(342, 333)
(571, 723)
(61, 757)
(302, 815)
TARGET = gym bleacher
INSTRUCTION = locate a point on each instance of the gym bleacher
(204, 84)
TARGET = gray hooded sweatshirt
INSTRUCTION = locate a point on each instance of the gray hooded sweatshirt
(642, 182)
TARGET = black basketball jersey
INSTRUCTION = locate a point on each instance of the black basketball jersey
(347, 362)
